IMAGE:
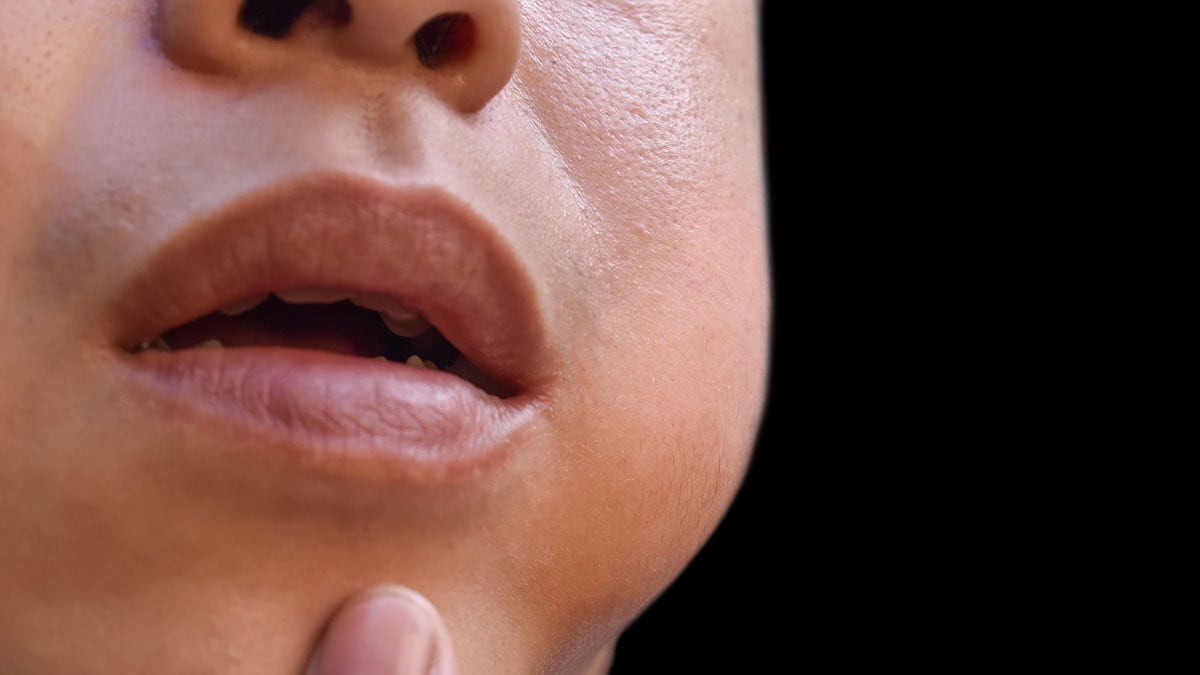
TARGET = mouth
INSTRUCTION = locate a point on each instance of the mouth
(329, 320)
(342, 323)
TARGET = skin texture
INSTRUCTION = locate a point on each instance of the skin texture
(615, 148)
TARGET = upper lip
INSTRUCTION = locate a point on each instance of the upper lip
(419, 245)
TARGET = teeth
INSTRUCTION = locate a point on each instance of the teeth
(210, 344)
(243, 306)
(405, 327)
(312, 296)
(158, 344)
(417, 362)
(399, 319)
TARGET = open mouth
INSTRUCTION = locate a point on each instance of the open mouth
(368, 326)
(338, 324)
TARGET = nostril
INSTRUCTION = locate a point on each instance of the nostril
(444, 39)
(275, 18)
(272, 18)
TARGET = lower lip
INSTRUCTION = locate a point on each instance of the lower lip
(338, 414)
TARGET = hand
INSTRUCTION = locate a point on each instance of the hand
(390, 630)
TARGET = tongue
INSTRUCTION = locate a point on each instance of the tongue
(341, 327)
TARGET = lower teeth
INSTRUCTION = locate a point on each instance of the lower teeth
(416, 362)
(159, 344)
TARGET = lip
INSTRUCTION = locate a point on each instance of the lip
(331, 412)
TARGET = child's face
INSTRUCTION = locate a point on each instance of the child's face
(574, 199)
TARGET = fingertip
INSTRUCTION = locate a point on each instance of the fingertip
(387, 630)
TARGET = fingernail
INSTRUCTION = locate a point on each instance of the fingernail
(388, 631)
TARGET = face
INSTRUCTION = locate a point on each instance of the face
(559, 203)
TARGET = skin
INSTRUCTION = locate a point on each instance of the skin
(615, 146)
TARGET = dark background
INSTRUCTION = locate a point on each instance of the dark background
(731, 608)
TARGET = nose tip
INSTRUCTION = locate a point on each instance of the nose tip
(464, 50)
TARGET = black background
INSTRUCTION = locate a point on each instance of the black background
(731, 608)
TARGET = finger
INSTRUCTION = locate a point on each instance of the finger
(390, 630)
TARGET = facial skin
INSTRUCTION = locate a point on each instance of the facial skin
(611, 147)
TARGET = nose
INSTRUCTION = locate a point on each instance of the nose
(464, 50)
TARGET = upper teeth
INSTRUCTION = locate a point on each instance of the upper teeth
(243, 306)
(399, 319)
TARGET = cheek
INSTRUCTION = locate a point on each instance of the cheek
(49, 52)
(652, 107)
(661, 429)
(668, 323)
(51, 55)
(653, 112)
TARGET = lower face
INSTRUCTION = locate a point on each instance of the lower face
(593, 235)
